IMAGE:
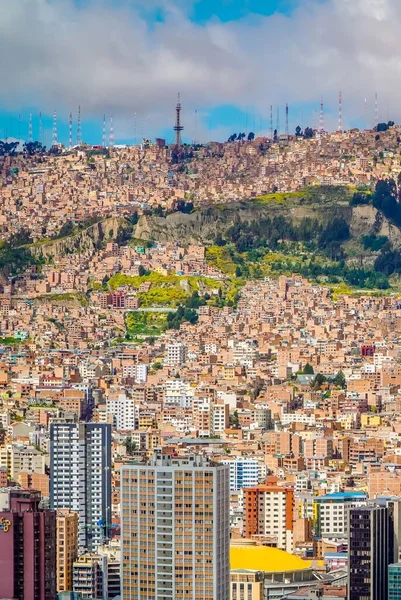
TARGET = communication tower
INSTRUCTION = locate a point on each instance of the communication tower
(178, 127)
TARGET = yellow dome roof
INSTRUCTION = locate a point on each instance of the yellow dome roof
(263, 558)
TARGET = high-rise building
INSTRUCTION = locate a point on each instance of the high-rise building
(80, 477)
(175, 529)
(244, 472)
(372, 547)
(269, 511)
(67, 548)
(394, 581)
(27, 547)
(330, 513)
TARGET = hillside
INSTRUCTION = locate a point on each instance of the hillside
(320, 203)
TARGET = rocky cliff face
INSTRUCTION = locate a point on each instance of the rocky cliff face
(202, 225)
(84, 241)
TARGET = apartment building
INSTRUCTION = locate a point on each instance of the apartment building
(175, 529)
(269, 510)
(66, 548)
(80, 477)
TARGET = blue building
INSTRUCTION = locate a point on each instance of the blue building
(394, 581)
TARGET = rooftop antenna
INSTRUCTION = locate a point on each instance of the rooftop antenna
(321, 119)
(55, 137)
(79, 127)
(278, 121)
(40, 128)
(340, 112)
(70, 130)
(178, 127)
(287, 129)
(196, 127)
(104, 132)
(30, 132)
(111, 139)
(271, 122)
(376, 110)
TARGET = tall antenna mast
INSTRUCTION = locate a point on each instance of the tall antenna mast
(30, 132)
(55, 137)
(376, 110)
(287, 129)
(111, 139)
(340, 112)
(40, 128)
(178, 127)
(70, 130)
(278, 121)
(271, 122)
(321, 120)
(104, 132)
(79, 128)
(196, 127)
(135, 128)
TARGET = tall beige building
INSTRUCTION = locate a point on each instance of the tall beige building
(67, 548)
(175, 529)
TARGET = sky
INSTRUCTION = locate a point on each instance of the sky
(229, 59)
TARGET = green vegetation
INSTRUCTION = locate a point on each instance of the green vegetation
(140, 324)
(11, 341)
(278, 245)
(166, 290)
(174, 320)
(68, 297)
(319, 194)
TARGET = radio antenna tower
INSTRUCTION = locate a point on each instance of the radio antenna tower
(79, 128)
(278, 121)
(195, 141)
(104, 132)
(178, 127)
(340, 113)
(111, 138)
(321, 120)
(55, 137)
(271, 122)
(287, 129)
(70, 130)
(376, 110)
(40, 128)
(30, 132)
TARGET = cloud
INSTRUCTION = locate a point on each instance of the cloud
(108, 57)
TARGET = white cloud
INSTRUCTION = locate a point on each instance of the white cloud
(105, 57)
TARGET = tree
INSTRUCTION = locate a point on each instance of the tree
(219, 241)
(340, 380)
(308, 133)
(8, 148)
(32, 148)
(185, 207)
(298, 131)
(319, 381)
(308, 369)
(275, 136)
(251, 136)
(232, 137)
(130, 445)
